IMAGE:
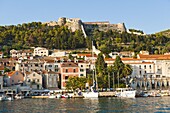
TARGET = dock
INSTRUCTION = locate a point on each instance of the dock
(40, 96)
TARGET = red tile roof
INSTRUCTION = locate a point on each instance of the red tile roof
(86, 54)
(11, 73)
(154, 57)
(69, 64)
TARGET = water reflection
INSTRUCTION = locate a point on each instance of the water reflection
(100, 105)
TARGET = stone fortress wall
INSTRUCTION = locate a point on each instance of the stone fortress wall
(76, 24)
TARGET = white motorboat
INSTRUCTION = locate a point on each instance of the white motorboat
(18, 96)
(8, 97)
(125, 92)
(2, 97)
(91, 94)
(52, 96)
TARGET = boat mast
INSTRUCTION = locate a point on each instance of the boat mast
(93, 63)
(94, 70)
(113, 81)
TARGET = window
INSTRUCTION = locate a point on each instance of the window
(66, 77)
(56, 70)
(139, 66)
(145, 71)
(157, 76)
(49, 65)
(81, 65)
(140, 72)
(34, 75)
(33, 81)
(81, 70)
(36, 65)
(29, 80)
(81, 75)
(38, 80)
(66, 70)
(56, 65)
(74, 70)
(145, 66)
(150, 66)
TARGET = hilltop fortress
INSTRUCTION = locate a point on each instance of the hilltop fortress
(76, 24)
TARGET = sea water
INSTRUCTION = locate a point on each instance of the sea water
(82, 105)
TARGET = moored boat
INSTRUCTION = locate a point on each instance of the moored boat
(125, 92)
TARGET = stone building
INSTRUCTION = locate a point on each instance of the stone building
(76, 24)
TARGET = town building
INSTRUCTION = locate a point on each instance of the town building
(34, 80)
(149, 71)
(50, 80)
(58, 54)
(21, 53)
(1, 54)
(68, 69)
(39, 51)
(13, 78)
(30, 65)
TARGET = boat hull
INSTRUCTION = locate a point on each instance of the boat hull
(126, 93)
(91, 94)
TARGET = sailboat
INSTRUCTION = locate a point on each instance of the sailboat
(92, 93)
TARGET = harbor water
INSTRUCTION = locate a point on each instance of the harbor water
(80, 105)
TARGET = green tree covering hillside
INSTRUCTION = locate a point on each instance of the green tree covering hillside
(164, 33)
(115, 41)
(35, 34)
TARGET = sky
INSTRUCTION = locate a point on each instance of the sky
(149, 16)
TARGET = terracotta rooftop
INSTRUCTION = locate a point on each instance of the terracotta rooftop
(87, 55)
(49, 72)
(1, 67)
(154, 57)
(11, 73)
(123, 59)
(69, 64)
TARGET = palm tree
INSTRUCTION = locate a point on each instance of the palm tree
(127, 70)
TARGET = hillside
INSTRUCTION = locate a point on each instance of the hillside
(165, 33)
(26, 35)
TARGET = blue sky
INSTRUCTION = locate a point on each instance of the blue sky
(148, 15)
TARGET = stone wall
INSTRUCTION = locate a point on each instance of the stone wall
(76, 23)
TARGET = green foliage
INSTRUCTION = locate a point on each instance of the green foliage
(134, 30)
(6, 70)
(164, 33)
(100, 64)
(115, 41)
(120, 69)
(76, 82)
(101, 71)
(60, 37)
(37, 34)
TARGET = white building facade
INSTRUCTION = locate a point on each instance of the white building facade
(39, 51)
